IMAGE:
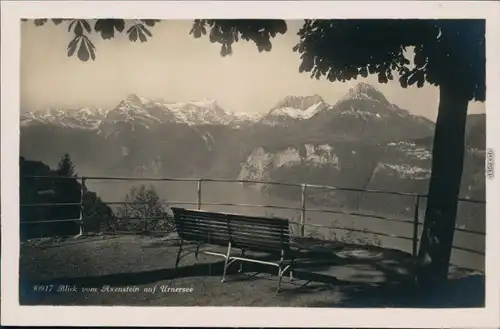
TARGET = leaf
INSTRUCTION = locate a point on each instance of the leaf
(229, 49)
(403, 81)
(118, 24)
(142, 37)
(90, 46)
(419, 58)
(146, 31)
(83, 53)
(106, 27)
(382, 78)
(73, 44)
(403, 76)
(267, 46)
(57, 21)
(78, 28)
(86, 25)
(215, 35)
(40, 22)
(149, 22)
(413, 78)
(196, 32)
(71, 25)
(133, 35)
(420, 78)
(420, 83)
(223, 50)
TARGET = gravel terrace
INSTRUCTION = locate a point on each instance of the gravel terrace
(125, 269)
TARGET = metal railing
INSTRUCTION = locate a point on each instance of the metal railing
(303, 208)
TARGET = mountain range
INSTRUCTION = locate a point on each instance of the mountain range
(361, 141)
(139, 111)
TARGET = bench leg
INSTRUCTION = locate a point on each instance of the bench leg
(280, 274)
(178, 255)
(196, 253)
(241, 263)
(226, 263)
(291, 269)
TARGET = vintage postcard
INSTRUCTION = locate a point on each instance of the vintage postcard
(250, 164)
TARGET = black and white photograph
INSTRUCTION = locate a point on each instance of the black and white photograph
(326, 163)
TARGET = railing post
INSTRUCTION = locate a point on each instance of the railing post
(303, 211)
(415, 226)
(82, 194)
(199, 193)
(144, 216)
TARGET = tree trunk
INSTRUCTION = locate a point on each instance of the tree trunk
(444, 187)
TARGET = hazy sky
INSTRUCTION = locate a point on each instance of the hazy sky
(175, 66)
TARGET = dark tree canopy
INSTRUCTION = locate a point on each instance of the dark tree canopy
(445, 51)
(65, 167)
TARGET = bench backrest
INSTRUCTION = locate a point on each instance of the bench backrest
(245, 232)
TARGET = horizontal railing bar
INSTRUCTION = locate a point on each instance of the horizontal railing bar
(469, 231)
(362, 231)
(462, 230)
(348, 189)
(51, 221)
(148, 217)
(360, 215)
(461, 199)
(146, 203)
(54, 177)
(468, 250)
(221, 180)
(55, 204)
(245, 181)
(170, 238)
(248, 205)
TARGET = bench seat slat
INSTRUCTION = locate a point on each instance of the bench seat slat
(204, 219)
(240, 236)
(204, 226)
(236, 228)
(259, 237)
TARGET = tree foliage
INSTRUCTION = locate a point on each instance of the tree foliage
(143, 205)
(66, 167)
(39, 184)
(81, 29)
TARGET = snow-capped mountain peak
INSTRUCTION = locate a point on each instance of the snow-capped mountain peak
(86, 118)
(299, 102)
(295, 108)
(364, 91)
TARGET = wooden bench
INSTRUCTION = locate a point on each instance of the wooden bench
(246, 233)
